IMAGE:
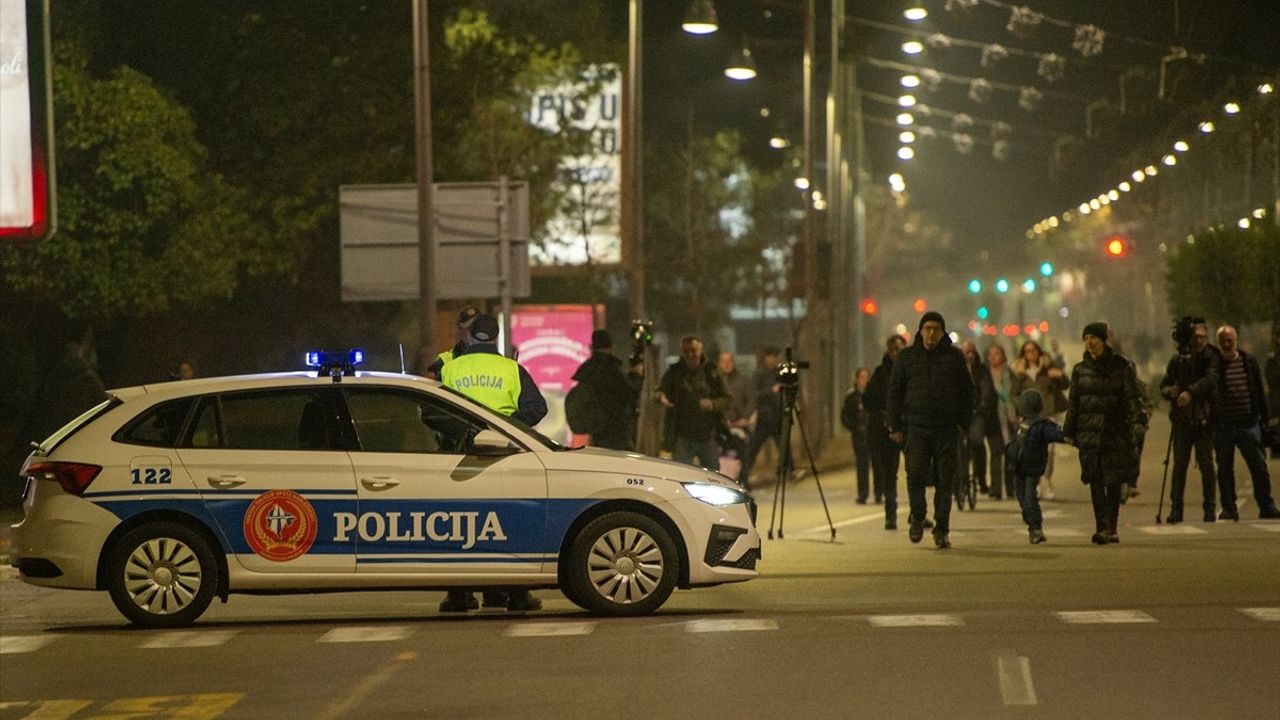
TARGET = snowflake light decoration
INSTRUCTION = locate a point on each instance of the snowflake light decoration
(932, 79)
(938, 40)
(1052, 67)
(963, 142)
(1089, 40)
(1029, 98)
(956, 6)
(1023, 21)
(961, 122)
(993, 54)
(979, 90)
(1000, 149)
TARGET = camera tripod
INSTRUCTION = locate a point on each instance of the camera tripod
(786, 464)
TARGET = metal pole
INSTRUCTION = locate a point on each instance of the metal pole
(426, 214)
(504, 262)
(635, 164)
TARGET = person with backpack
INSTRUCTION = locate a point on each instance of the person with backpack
(1026, 457)
(602, 405)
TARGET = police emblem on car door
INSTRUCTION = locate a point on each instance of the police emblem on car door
(431, 500)
(270, 470)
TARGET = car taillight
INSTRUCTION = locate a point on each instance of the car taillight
(73, 477)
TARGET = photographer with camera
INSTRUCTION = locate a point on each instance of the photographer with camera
(930, 404)
(1239, 420)
(1189, 384)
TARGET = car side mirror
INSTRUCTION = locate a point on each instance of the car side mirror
(492, 442)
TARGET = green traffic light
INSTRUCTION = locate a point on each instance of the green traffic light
(1002, 286)
(1046, 268)
(975, 286)
(983, 312)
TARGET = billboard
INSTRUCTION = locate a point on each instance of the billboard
(26, 134)
(552, 341)
(586, 224)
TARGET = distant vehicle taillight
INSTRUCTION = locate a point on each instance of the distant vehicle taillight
(73, 477)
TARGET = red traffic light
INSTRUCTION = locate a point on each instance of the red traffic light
(1116, 246)
(869, 306)
(920, 305)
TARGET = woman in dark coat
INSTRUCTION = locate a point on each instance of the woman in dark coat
(1104, 420)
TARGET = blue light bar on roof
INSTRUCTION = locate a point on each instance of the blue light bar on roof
(330, 359)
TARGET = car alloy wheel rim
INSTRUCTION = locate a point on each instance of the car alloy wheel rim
(625, 565)
(162, 576)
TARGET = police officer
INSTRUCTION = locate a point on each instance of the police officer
(502, 385)
(465, 317)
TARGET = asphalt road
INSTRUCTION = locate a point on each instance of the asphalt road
(1173, 622)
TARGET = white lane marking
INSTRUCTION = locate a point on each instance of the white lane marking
(1268, 527)
(190, 639)
(705, 626)
(844, 523)
(1178, 529)
(1104, 617)
(1265, 614)
(550, 629)
(1016, 687)
(23, 643)
(380, 633)
(914, 620)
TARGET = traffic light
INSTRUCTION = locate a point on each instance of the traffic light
(1116, 246)
(869, 306)
(1029, 285)
(1046, 269)
(983, 312)
(975, 286)
(920, 305)
(1002, 286)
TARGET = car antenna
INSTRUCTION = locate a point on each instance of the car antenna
(402, 359)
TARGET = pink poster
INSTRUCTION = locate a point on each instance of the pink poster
(552, 341)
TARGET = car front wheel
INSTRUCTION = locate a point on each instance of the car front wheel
(162, 575)
(622, 563)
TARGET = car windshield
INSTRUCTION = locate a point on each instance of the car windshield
(546, 441)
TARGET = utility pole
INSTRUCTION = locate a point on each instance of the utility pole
(634, 159)
(426, 213)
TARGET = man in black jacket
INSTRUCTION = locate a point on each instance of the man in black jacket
(1189, 384)
(930, 404)
(607, 397)
(884, 451)
(1238, 419)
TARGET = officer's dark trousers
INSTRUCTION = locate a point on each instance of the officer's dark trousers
(884, 466)
(927, 447)
(1106, 502)
(1187, 436)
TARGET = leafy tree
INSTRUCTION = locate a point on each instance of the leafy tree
(143, 225)
(1229, 273)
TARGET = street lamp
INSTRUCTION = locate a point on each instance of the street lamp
(741, 66)
(701, 18)
(912, 47)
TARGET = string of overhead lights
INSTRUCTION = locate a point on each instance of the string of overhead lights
(1142, 174)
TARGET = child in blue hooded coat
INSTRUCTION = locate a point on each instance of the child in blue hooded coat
(1027, 456)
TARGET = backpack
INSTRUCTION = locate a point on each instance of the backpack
(580, 411)
(1013, 452)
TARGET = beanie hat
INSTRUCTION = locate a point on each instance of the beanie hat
(1030, 404)
(601, 339)
(484, 328)
(1096, 329)
(932, 316)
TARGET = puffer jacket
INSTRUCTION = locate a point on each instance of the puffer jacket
(1105, 418)
(930, 388)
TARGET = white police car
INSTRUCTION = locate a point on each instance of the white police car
(168, 495)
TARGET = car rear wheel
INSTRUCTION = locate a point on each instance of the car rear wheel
(622, 563)
(162, 575)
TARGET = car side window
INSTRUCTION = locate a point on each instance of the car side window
(158, 426)
(270, 420)
(394, 421)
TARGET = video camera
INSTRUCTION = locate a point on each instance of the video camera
(641, 339)
(788, 376)
(1184, 332)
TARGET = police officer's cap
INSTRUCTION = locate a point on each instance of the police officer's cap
(484, 328)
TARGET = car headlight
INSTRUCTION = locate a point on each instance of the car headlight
(715, 494)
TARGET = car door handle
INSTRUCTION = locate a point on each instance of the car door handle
(225, 481)
(380, 482)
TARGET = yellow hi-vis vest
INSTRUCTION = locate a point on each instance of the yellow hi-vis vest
(491, 380)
